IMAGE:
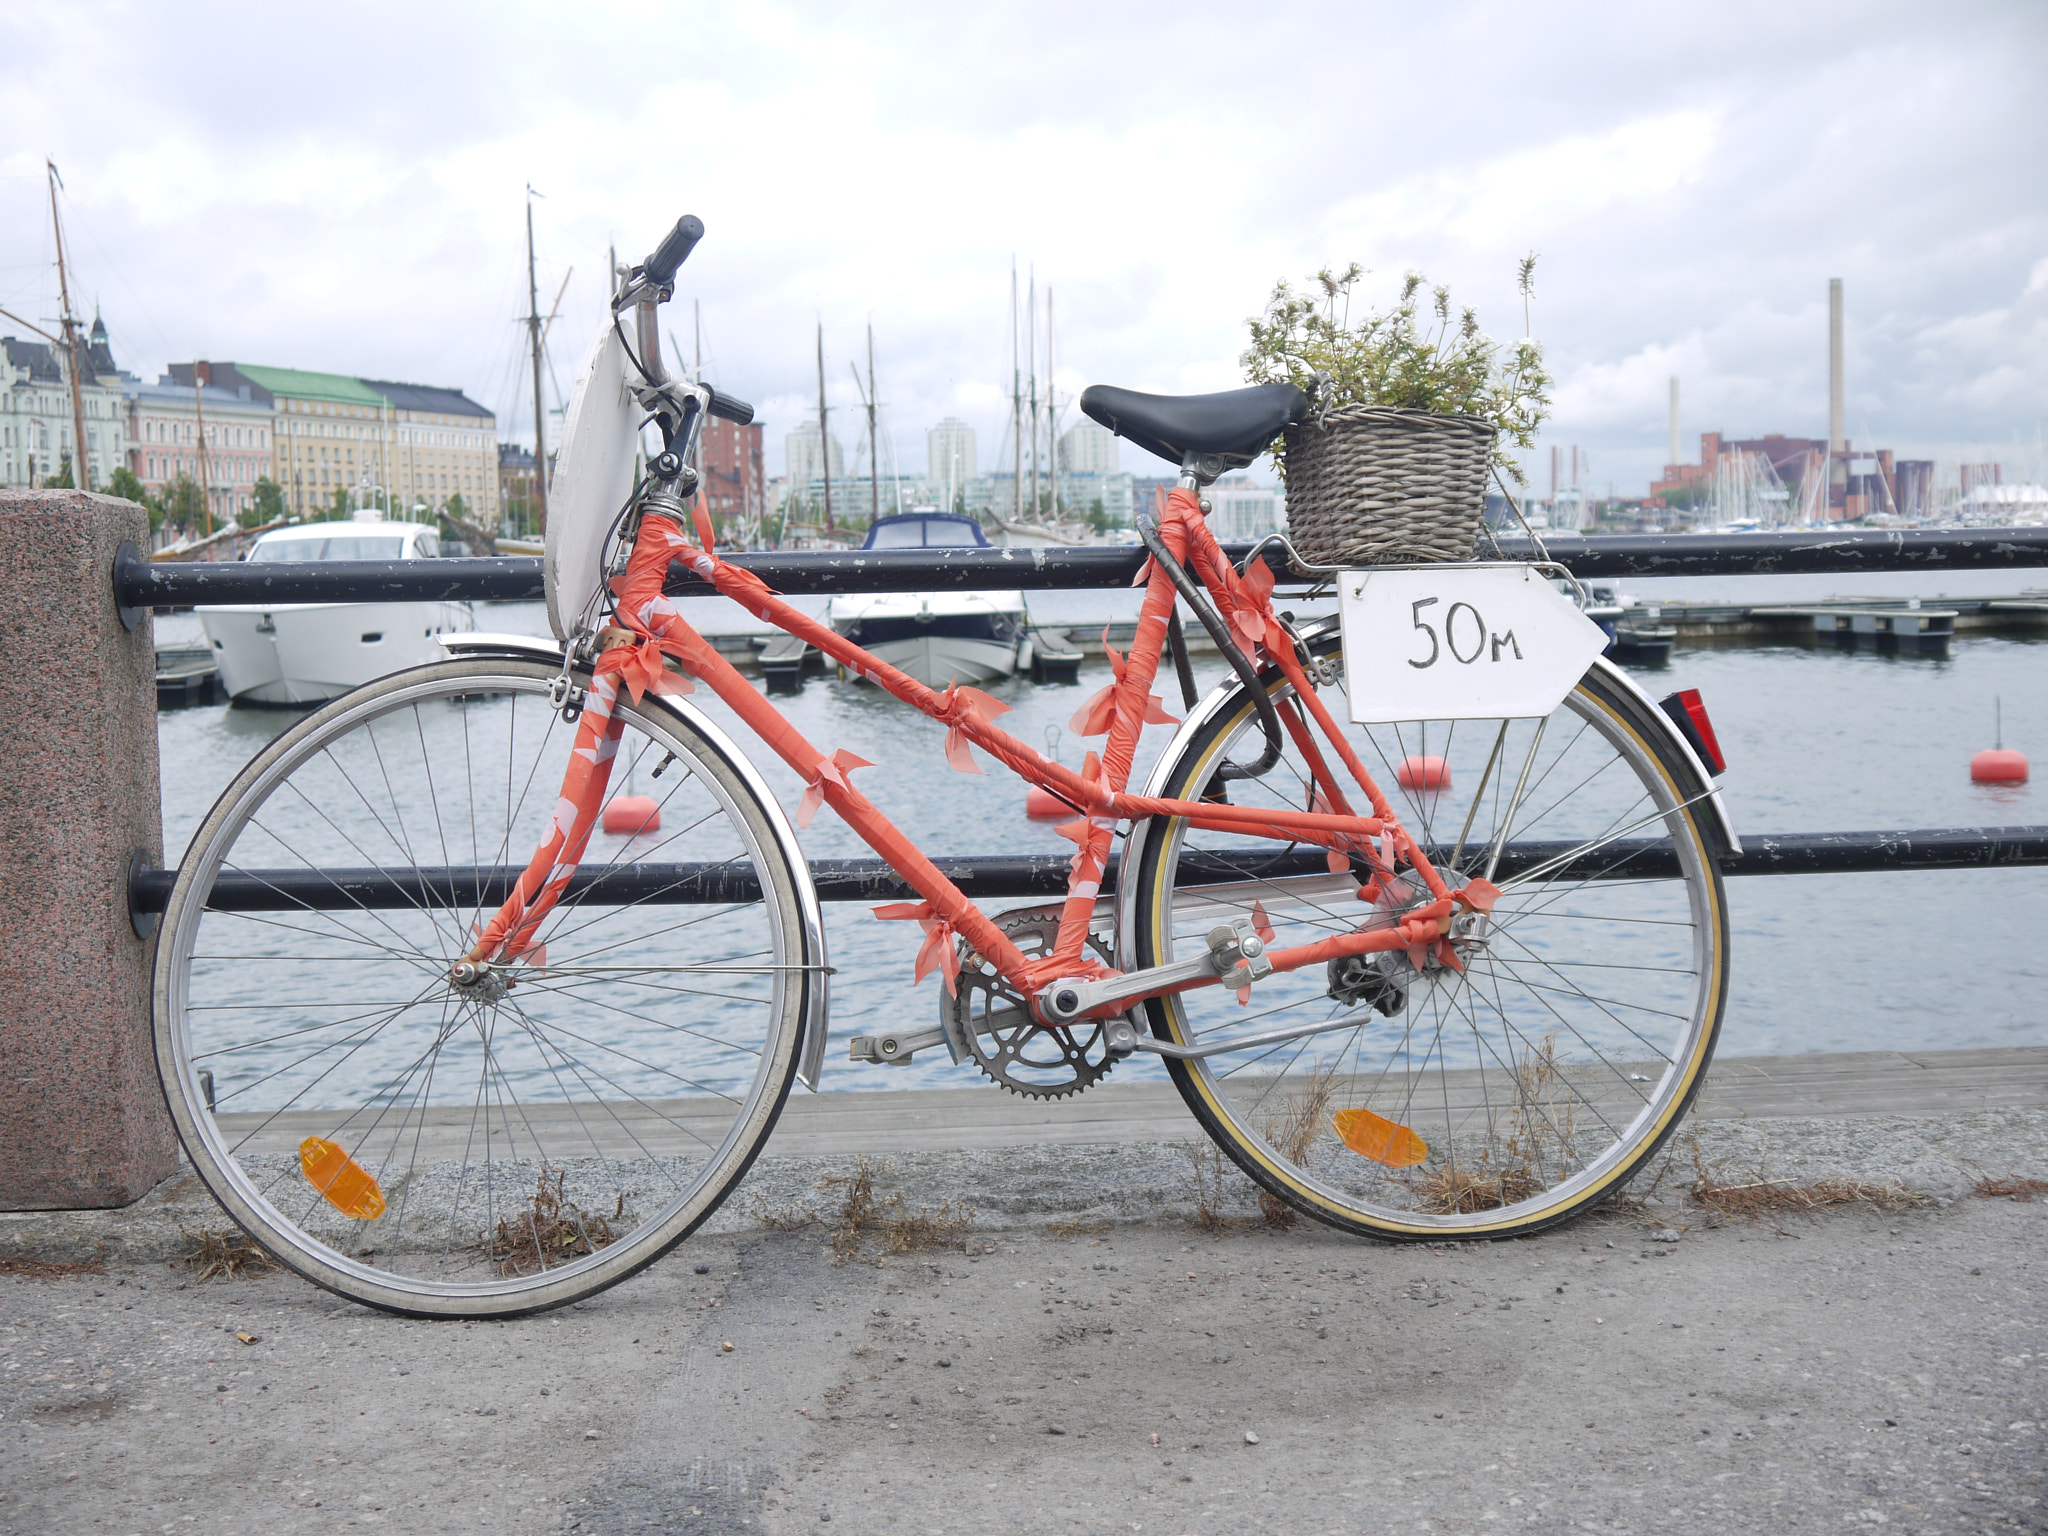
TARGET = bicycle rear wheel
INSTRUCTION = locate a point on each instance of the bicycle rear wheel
(531, 1141)
(1530, 1085)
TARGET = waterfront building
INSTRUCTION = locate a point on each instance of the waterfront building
(36, 424)
(1148, 492)
(801, 460)
(949, 459)
(515, 488)
(735, 471)
(407, 447)
(438, 444)
(166, 423)
(1241, 512)
(1088, 448)
(1081, 492)
(854, 497)
(1913, 480)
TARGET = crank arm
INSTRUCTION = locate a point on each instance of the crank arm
(1124, 1038)
(893, 1050)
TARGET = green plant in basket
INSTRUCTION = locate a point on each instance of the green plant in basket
(1413, 357)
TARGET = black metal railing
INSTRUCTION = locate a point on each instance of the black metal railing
(1011, 876)
(140, 583)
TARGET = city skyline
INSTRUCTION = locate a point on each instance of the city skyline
(1689, 212)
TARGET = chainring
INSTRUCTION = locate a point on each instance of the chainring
(989, 1020)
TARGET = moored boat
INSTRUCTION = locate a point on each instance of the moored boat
(938, 638)
(306, 653)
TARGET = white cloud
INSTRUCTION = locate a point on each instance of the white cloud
(344, 190)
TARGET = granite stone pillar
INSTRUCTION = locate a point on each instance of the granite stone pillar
(82, 1120)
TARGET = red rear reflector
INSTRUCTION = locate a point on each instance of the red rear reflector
(1689, 713)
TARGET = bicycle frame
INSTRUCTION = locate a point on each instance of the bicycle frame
(651, 628)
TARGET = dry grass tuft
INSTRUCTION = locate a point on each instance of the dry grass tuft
(1526, 1155)
(229, 1255)
(46, 1269)
(793, 1217)
(1445, 1191)
(1773, 1197)
(550, 1231)
(1293, 1132)
(2009, 1187)
(1203, 1184)
(902, 1230)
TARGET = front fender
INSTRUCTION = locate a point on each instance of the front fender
(817, 983)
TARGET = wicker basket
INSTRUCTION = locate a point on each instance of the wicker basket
(1373, 486)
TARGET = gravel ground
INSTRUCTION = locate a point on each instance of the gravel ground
(1650, 1372)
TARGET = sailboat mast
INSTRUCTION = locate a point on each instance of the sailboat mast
(1016, 406)
(1031, 360)
(200, 374)
(1052, 417)
(824, 451)
(874, 451)
(81, 472)
(540, 438)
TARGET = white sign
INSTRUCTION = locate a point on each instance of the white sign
(1460, 643)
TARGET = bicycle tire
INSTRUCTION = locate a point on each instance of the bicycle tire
(1539, 1081)
(531, 1148)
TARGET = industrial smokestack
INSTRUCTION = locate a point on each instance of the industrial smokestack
(1673, 460)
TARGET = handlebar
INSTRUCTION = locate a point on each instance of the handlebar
(674, 251)
(725, 406)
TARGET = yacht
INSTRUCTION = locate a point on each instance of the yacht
(307, 653)
(939, 638)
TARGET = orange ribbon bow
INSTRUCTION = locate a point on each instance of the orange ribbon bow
(956, 705)
(833, 769)
(938, 949)
(1096, 716)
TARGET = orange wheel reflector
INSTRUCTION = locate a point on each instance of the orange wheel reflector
(342, 1182)
(1377, 1137)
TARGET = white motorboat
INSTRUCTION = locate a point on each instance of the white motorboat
(939, 638)
(307, 653)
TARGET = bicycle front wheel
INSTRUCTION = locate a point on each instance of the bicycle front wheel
(1493, 1100)
(491, 1149)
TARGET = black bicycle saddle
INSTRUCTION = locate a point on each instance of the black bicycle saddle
(1234, 425)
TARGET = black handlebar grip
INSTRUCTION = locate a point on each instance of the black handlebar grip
(675, 250)
(729, 409)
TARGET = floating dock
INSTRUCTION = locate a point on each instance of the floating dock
(1909, 626)
(186, 675)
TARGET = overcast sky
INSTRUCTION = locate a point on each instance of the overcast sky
(345, 192)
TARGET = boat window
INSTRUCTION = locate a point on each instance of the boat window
(924, 533)
(383, 547)
(429, 545)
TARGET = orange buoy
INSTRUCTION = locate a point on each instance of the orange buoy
(342, 1182)
(1999, 765)
(1044, 805)
(630, 815)
(1426, 774)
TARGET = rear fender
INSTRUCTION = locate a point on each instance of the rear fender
(817, 983)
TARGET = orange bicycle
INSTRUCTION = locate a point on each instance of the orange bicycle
(1422, 971)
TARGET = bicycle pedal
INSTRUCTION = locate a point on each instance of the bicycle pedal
(893, 1050)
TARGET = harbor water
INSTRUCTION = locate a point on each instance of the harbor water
(1817, 739)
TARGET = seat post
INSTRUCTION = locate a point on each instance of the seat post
(1199, 470)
